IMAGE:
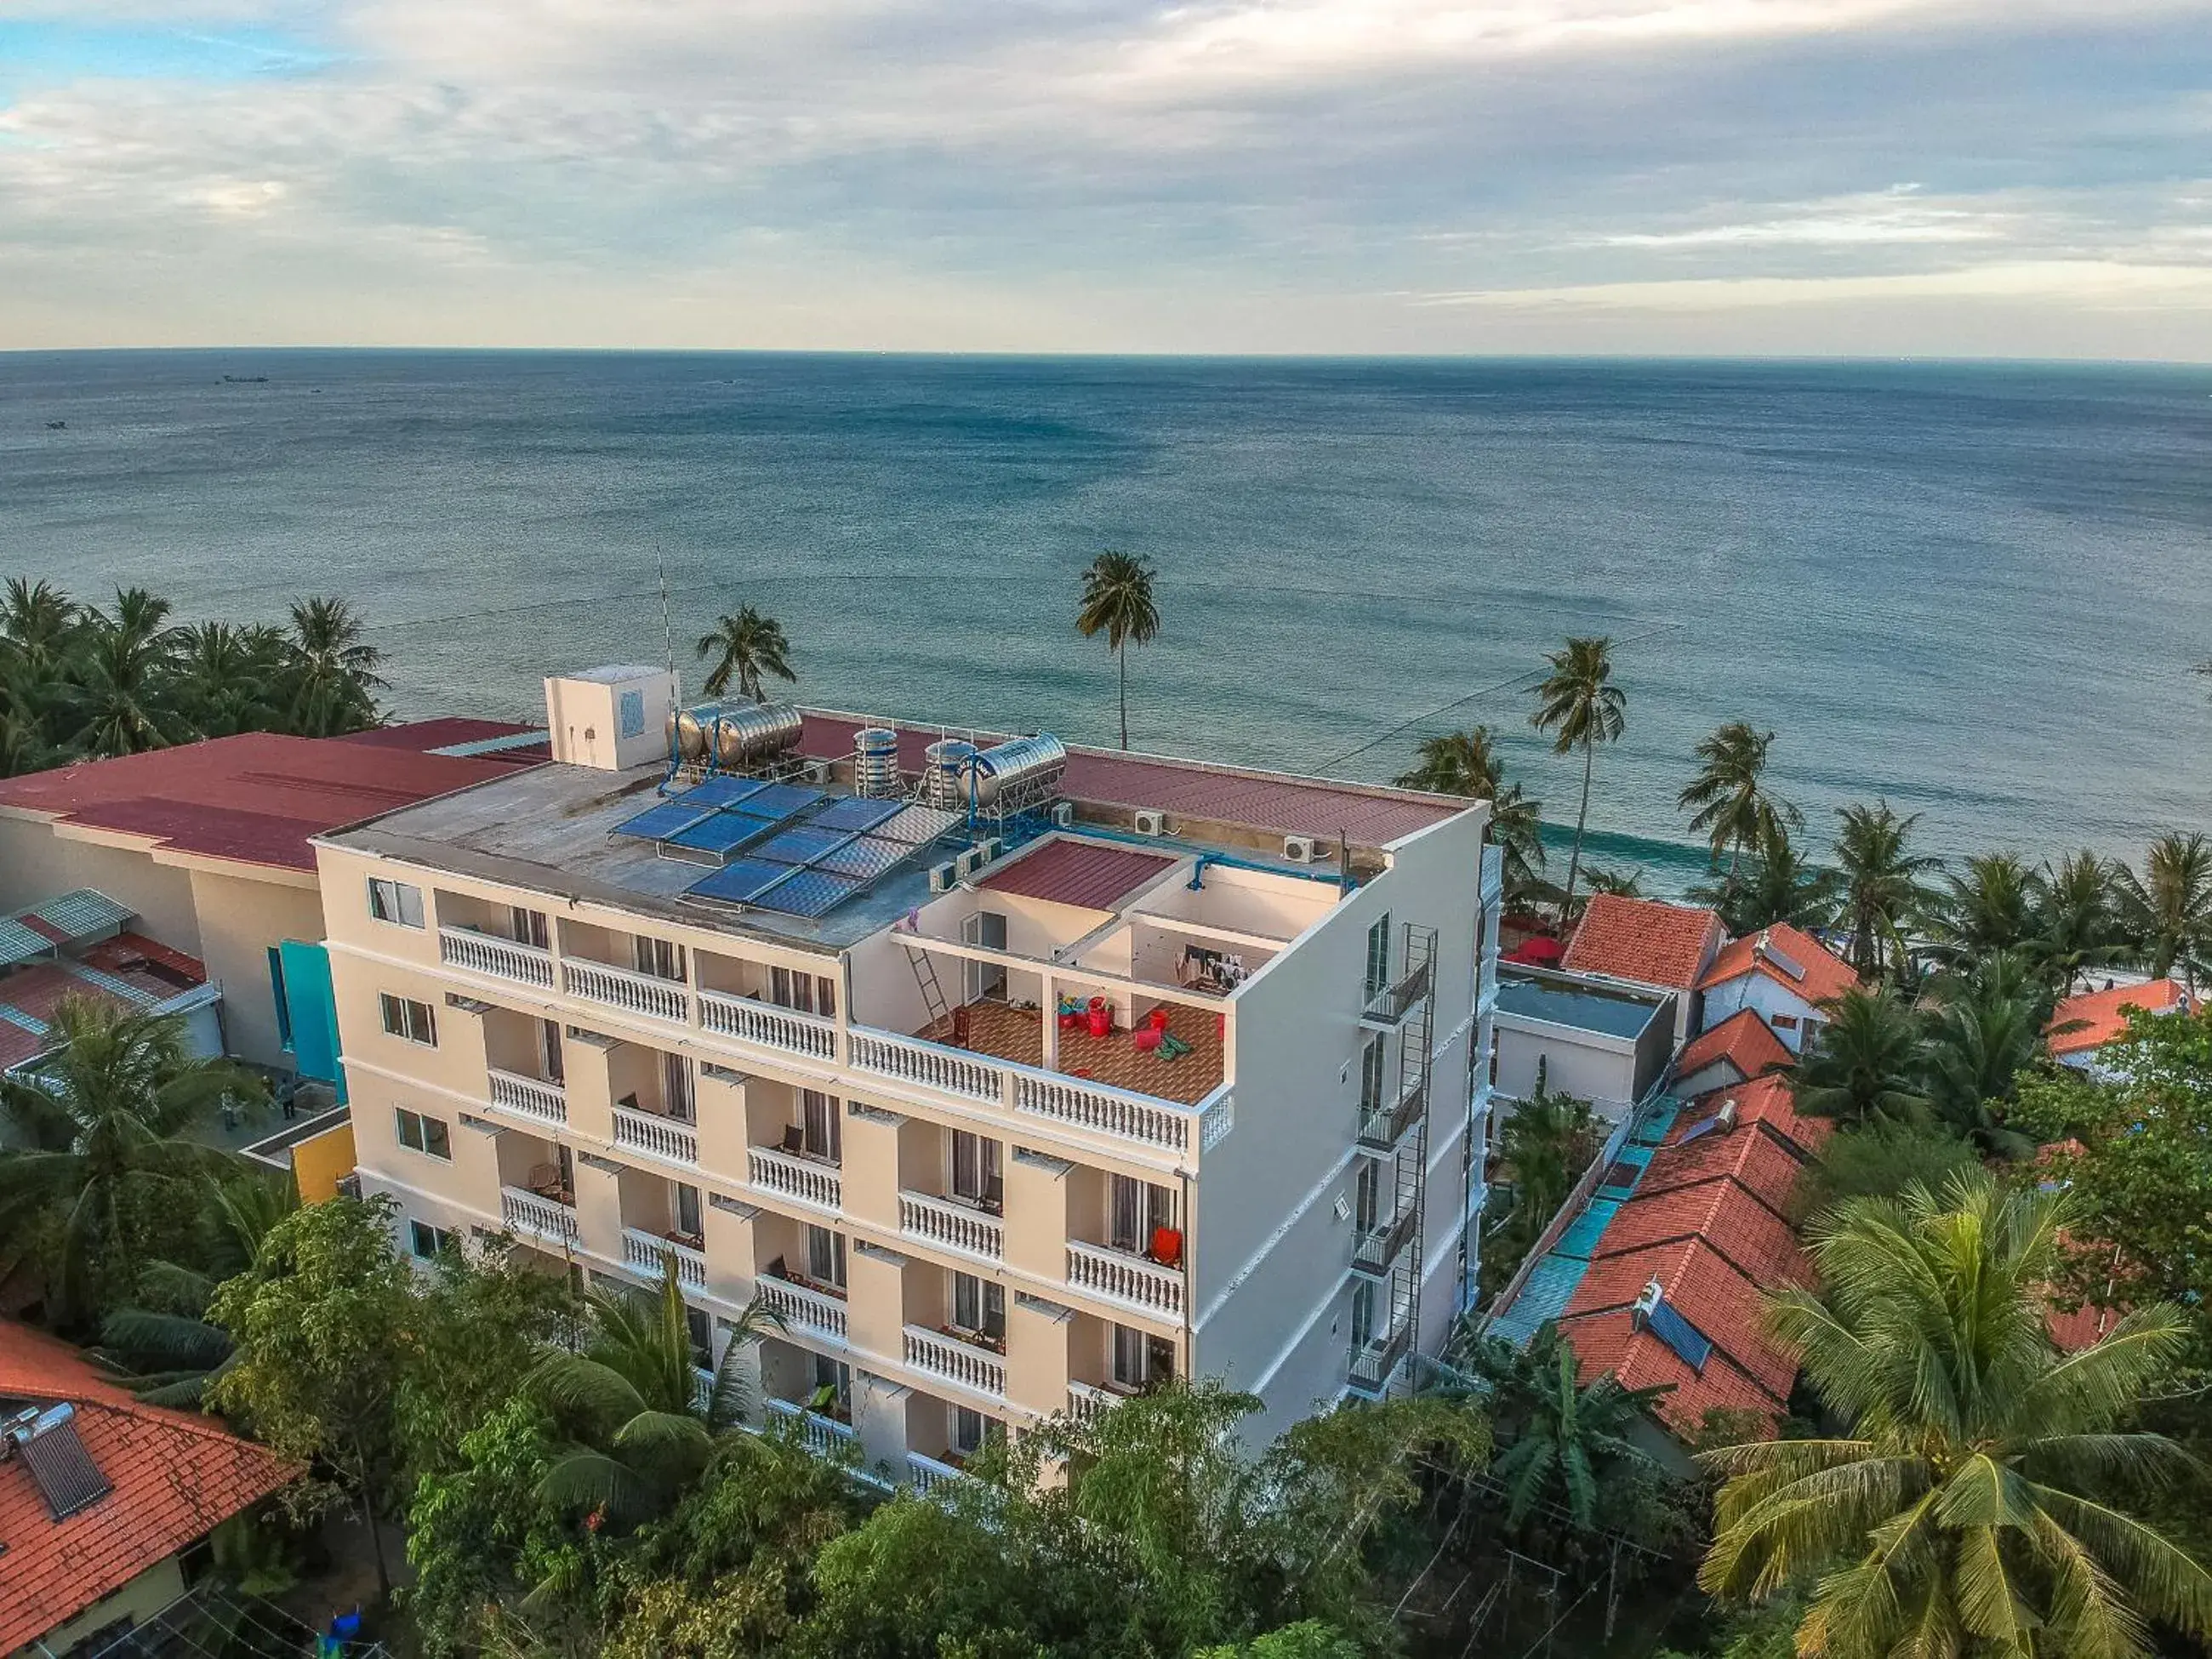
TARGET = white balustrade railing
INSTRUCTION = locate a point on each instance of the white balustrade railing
(908, 1059)
(954, 1226)
(634, 994)
(525, 1211)
(1216, 1120)
(800, 1307)
(974, 1368)
(644, 1252)
(771, 1170)
(529, 1097)
(664, 1138)
(1126, 1278)
(825, 1436)
(1103, 1111)
(1086, 1404)
(502, 958)
(926, 1473)
(769, 1025)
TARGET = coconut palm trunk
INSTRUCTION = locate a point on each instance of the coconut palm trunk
(1575, 858)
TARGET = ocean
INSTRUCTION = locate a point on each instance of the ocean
(1976, 589)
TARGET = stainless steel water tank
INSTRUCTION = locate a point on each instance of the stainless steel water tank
(944, 774)
(875, 762)
(739, 734)
(1030, 767)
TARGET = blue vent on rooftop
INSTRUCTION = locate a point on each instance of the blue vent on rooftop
(1691, 1345)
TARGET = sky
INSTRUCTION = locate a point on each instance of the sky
(1930, 178)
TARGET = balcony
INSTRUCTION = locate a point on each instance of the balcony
(1375, 1248)
(825, 1436)
(784, 1174)
(804, 1309)
(532, 1215)
(1113, 1060)
(1391, 1005)
(527, 1097)
(939, 1353)
(1382, 1128)
(1375, 1362)
(670, 1140)
(644, 1252)
(495, 957)
(925, 1475)
(1087, 1404)
(631, 992)
(769, 1026)
(952, 1226)
(1135, 1281)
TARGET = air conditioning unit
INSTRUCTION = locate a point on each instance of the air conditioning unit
(943, 877)
(1300, 849)
(1150, 823)
(816, 772)
(975, 858)
(1063, 814)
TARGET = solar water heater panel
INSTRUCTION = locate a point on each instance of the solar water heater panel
(739, 881)
(856, 813)
(658, 823)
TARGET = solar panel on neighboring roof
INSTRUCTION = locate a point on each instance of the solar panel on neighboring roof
(721, 791)
(1696, 1129)
(915, 825)
(856, 813)
(739, 880)
(717, 832)
(81, 913)
(864, 856)
(60, 1467)
(809, 893)
(658, 823)
(778, 800)
(1691, 1345)
(800, 844)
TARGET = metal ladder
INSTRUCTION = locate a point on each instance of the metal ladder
(925, 977)
(1415, 1037)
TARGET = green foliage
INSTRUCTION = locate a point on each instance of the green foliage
(747, 648)
(1988, 907)
(1773, 883)
(1465, 764)
(1118, 603)
(1728, 800)
(1881, 1159)
(1307, 1639)
(1580, 706)
(2168, 907)
(1986, 1028)
(1967, 1503)
(1884, 887)
(1546, 1144)
(1866, 1064)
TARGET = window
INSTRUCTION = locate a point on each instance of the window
(979, 1305)
(968, 1429)
(688, 1221)
(426, 1135)
(833, 1386)
(1138, 1209)
(549, 1051)
(1367, 1196)
(1371, 1076)
(700, 1330)
(1363, 1316)
(1140, 1360)
(1378, 956)
(395, 902)
(529, 927)
(803, 992)
(975, 1175)
(825, 1256)
(660, 958)
(675, 1086)
(405, 1017)
(822, 1132)
(425, 1241)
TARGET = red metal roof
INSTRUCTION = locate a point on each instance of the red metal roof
(1821, 973)
(1079, 872)
(444, 733)
(1278, 803)
(1644, 941)
(175, 1477)
(2102, 1016)
(1744, 1040)
(256, 798)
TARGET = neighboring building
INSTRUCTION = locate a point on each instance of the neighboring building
(1148, 1079)
(206, 845)
(1740, 1049)
(1603, 1042)
(104, 1499)
(1663, 947)
(1781, 973)
(80, 945)
(2082, 1027)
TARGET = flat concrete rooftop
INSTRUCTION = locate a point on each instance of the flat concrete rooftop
(1579, 1008)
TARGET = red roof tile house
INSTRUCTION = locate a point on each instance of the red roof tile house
(100, 1496)
(1666, 947)
(78, 946)
(2082, 1027)
(1739, 1049)
(206, 843)
(1677, 1280)
(1783, 973)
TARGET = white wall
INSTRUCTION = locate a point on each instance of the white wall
(1769, 997)
(1597, 1068)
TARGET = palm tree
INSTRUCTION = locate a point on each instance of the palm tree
(1990, 906)
(2169, 907)
(228, 677)
(748, 647)
(2077, 924)
(1578, 704)
(1982, 1034)
(123, 668)
(633, 1394)
(1620, 883)
(1883, 885)
(1865, 1061)
(101, 1131)
(334, 680)
(38, 624)
(1117, 602)
(1733, 809)
(1963, 1505)
(1774, 885)
(1465, 764)
(1564, 1443)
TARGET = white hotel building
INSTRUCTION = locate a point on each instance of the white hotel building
(1177, 1070)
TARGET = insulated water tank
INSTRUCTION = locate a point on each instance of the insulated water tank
(1027, 770)
(944, 774)
(875, 762)
(736, 734)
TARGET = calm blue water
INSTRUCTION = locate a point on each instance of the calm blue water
(1976, 588)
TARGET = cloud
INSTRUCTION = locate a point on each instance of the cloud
(2094, 284)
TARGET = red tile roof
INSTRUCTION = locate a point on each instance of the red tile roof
(256, 798)
(2102, 1015)
(1767, 1101)
(1644, 941)
(1820, 974)
(1749, 1157)
(1743, 1040)
(175, 1477)
(1079, 872)
(1278, 803)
